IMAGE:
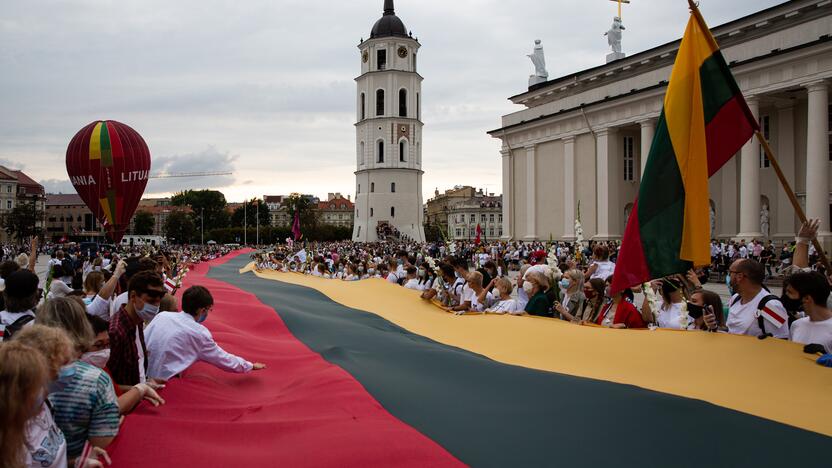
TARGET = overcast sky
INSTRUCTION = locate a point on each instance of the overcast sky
(265, 88)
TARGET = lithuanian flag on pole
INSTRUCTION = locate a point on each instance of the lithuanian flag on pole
(705, 121)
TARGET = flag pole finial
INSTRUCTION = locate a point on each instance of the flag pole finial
(693, 5)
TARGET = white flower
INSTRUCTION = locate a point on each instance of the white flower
(652, 300)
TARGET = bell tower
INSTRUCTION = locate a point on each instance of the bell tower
(388, 176)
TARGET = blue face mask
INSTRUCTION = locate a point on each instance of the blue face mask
(147, 312)
(728, 283)
(203, 318)
(564, 283)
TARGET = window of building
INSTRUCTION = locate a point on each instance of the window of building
(418, 106)
(392, 211)
(765, 126)
(491, 232)
(458, 232)
(402, 103)
(500, 218)
(500, 232)
(482, 218)
(629, 159)
(359, 231)
(8, 189)
(359, 189)
(343, 206)
(380, 102)
(473, 218)
(371, 212)
(381, 59)
(402, 151)
(491, 218)
(473, 232)
(380, 151)
(414, 62)
(372, 187)
(393, 187)
(363, 106)
(9, 205)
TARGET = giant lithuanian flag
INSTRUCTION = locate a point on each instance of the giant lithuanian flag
(705, 121)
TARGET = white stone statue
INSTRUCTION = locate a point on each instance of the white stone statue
(713, 222)
(614, 35)
(764, 221)
(539, 60)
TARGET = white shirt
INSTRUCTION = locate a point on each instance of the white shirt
(98, 307)
(670, 316)
(175, 341)
(522, 298)
(392, 278)
(475, 303)
(120, 300)
(8, 318)
(46, 444)
(805, 331)
(413, 284)
(509, 306)
(742, 318)
(604, 270)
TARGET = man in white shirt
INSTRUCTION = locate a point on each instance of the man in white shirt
(411, 281)
(747, 277)
(176, 340)
(812, 289)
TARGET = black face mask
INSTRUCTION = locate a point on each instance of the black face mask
(792, 305)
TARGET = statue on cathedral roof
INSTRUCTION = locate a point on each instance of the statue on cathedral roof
(539, 60)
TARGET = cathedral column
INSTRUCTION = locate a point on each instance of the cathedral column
(750, 183)
(531, 194)
(785, 157)
(648, 131)
(604, 182)
(817, 156)
(569, 188)
(508, 182)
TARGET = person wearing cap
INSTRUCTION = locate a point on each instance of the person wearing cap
(21, 296)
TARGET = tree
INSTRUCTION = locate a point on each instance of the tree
(249, 212)
(21, 222)
(179, 228)
(308, 212)
(143, 223)
(210, 204)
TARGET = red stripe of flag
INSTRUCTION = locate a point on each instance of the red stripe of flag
(774, 315)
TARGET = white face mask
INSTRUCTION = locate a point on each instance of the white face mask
(97, 358)
(528, 287)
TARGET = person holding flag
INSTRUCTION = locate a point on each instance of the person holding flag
(705, 121)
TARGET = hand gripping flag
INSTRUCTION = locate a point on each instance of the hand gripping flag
(705, 121)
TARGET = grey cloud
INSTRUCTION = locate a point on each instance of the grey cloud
(274, 79)
(208, 160)
(57, 186)
(11, 164)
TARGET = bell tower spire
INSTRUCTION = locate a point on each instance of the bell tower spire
(389, 9)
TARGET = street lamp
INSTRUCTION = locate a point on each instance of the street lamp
(202, 226)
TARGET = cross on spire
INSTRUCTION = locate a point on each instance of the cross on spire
(618, 1)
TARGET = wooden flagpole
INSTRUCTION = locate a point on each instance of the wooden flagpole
(792, 197)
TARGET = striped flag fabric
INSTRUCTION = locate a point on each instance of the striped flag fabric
(705, 121)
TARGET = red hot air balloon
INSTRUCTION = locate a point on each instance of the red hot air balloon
(108, 164)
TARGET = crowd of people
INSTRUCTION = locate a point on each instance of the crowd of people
(83, 348)
(572, 282)
(104, 331)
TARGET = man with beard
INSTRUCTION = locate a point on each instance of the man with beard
(754, 311)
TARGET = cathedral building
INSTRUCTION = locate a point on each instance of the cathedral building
(582, 139)
(388, 176)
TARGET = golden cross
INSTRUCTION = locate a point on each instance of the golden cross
(619, 5)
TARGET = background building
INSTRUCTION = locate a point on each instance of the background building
(388, 177)
(160, 209)
(18, 189)
(69, 218)
(584, 138)
(485, 210)
(438, 208)
(336, 211)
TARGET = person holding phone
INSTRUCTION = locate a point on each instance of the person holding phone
(705, 308)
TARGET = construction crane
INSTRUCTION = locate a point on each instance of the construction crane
(188, 174)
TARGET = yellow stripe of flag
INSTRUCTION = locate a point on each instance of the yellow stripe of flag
(686, 125)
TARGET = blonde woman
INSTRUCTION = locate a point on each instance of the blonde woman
(504, 304)
(572, 284)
